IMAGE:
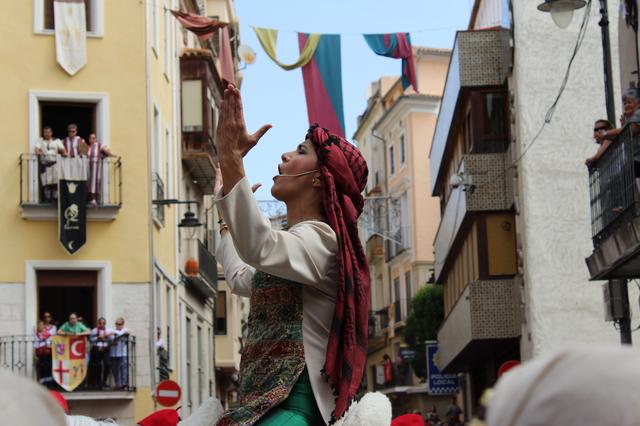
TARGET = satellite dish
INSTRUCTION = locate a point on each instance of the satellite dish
(247, 54)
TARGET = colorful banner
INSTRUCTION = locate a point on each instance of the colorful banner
(323, 84)
(396, 45)
(438, 383)
(72, 214)
(201, 26)
(69, 360)
(269, 41)
(71, 34)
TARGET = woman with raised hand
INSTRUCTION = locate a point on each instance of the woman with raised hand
(309, 285)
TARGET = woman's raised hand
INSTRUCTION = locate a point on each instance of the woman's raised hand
(232, 136)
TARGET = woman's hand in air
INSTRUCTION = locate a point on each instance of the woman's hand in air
(232, 136)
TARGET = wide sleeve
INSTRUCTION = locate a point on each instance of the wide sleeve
(238, 274)
(305, 254)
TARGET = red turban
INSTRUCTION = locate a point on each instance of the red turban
(343, 172)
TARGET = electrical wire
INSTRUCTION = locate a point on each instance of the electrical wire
(552, 109)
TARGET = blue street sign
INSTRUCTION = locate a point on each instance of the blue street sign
(438, 383)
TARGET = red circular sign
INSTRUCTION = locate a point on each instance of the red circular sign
(506, 366)
(168, 393)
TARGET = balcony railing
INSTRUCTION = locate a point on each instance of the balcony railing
(205, 281)
(35, 205)
(207, 264)
(612, 186)
(399, 242)
(402, 375)
(17, 356)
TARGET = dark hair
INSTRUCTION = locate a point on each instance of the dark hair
(72, 125)
(607, 123)
(102, 319)
(47, 127)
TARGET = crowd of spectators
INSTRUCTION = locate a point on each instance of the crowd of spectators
(108, 353)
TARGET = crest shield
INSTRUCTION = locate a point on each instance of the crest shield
(69, 360)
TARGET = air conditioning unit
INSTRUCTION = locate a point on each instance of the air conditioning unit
(613, 300)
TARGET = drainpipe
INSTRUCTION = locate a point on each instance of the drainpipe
(150, 226)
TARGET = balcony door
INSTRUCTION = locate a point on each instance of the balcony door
(61, 292)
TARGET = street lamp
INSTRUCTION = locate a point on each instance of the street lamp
(562, 13)
(189, 220)
(561, 10)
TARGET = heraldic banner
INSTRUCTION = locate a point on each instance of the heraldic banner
(72, 214)
(71, 34)
(69, 360)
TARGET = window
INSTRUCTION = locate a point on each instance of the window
(169, 317)
(221, 313)
(44, 21)
(192, 120)
(159, 190)
(200, 361)
(167, 162)
(188, 361)
(490, 121)
(392, 162)
(402, 153)
(155, 23)
(166, 37)
(407, 293)
(397, 307)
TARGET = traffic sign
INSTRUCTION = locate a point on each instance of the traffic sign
(168, 393)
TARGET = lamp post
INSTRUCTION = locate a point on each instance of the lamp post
(562, 13)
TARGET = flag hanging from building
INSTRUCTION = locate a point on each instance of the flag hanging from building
(202, 26)
(322, 77)
(72, 214)
(69, 360)
(269, 40)
(396, 45)
(227, 67)
(70, 34)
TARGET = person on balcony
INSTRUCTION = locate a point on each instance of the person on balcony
(42, 348)
(49, 323)
(95, 151)
(73, 327)
(599, 128)
(630, 116)
(309, 285)
(387, 366)
(100, 338)
(74, 145)
(47, 149)
(119, 354)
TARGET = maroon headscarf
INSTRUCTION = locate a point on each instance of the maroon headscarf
(343, 173)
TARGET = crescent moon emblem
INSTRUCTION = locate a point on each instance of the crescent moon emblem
(71, 244)
(74, 352)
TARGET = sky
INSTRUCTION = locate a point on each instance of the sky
(274, 96)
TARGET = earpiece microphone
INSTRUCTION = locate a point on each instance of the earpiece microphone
(299, 174)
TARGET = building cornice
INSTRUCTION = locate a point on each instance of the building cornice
(407, 104)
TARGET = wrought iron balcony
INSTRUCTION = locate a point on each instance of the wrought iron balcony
(17, 356)
(400, 241)
(615, 210)
(205, 281)
(34, 205)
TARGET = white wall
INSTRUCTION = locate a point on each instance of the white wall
(562, 307)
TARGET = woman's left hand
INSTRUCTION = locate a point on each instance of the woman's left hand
(232, 136)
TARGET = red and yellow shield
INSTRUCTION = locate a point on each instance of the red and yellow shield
(69, 360)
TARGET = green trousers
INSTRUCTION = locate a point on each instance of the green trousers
(299, 409)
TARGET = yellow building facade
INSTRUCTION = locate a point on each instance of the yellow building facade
(137, 263)
(400, 219)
